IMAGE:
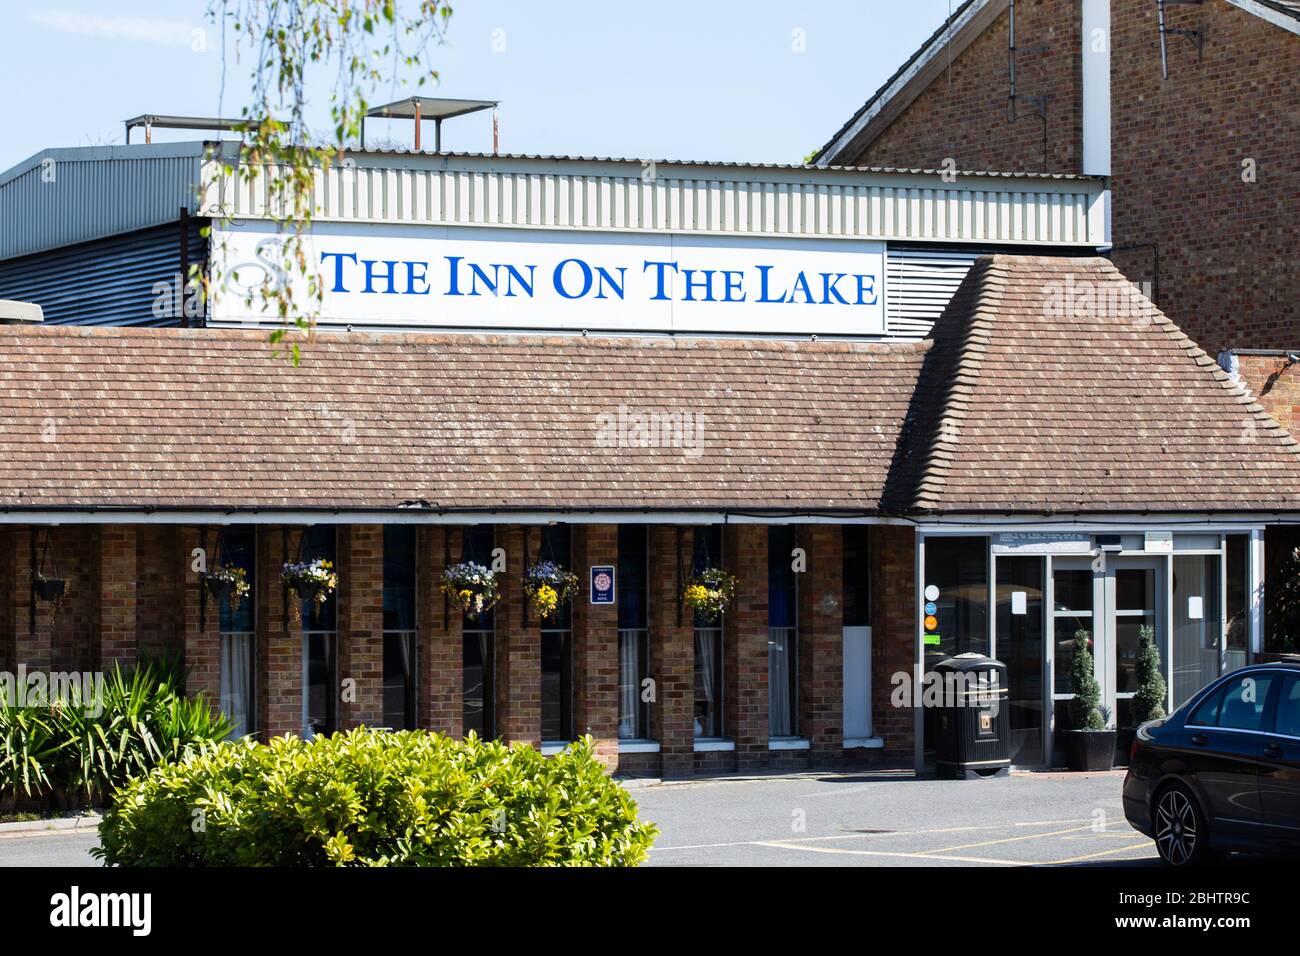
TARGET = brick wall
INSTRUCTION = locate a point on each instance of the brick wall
(672, 653)
(519, 643)
(201, 617)
(744, 645)
(72, 624)
(441, 690)
(963, 116)
(161, 565)
(279, 636)
(1275, 382)
(361, 625)
(1225, 246)
(595, 645)
(821, 641)
(117, 595)
(893, 634)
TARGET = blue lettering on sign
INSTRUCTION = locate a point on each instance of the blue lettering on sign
(576, 278)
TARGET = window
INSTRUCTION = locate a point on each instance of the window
(708, 643)
(857, 576)
(959, 568)
(782, 633)
(400, 643)
(557, 645)
(1244, 701)
(320, 643)
(1238, 609)
(633, 641)
(478, 660)
(1206, 713)
(1288, 708)
(1072, 592)
(238, 548)
(1198, 626)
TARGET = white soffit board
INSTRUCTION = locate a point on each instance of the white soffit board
(1271, 14)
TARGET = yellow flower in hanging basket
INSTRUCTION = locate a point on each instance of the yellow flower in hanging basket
(547, 599)
(709, 592)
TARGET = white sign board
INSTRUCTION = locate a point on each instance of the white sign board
(1041, 542)
(496, 278)
(1158, 542)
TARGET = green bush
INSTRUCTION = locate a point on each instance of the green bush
(369, 798)
(74, 751)
(1149, 701)
(1085, 706)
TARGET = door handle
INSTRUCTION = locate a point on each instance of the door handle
(1200, 740)
(1274, 751)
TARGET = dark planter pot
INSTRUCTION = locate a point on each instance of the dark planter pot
(305, 592)
(219, 589)
(1124, 744)
(49, 589)
(1088, 750)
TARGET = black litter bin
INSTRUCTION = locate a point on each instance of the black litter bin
(972, 728)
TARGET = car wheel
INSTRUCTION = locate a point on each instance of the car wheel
(1182, 838)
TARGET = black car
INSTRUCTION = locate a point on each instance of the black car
(1222, 773)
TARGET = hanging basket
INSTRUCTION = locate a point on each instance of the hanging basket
(49, 589)
(548, 585)
(228, 583)
(708, 593)
(471, 587)
(311, 580)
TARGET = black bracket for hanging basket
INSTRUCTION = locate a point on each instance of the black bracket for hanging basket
(681, 583)
(446, 563)
(527, 531)
(45, 587)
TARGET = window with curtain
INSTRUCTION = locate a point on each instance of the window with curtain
(478, 660)
(320, 642)
(633, 630)
(708, 642)
(400, 645)
(238, 548)
(557, 644)
(782, 633)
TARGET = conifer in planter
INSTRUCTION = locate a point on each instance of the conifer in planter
(1090, 744)
(1149, 701)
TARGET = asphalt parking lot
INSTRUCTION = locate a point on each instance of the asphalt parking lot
(894, 819)
(865, 819)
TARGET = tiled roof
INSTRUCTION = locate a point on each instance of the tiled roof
(1051, 385)
(1054, 385)
(208, 418)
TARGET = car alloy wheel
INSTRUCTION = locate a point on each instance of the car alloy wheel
(1178, 830)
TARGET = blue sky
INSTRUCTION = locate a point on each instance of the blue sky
(747, 80)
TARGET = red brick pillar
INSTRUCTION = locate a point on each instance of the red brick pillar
(361, 625)
(201, 616)
(893, 634)
(32, 639)
(821, 640)
(744, 641)
(595, 644)
(279, 637)
(519, 644)
(441, 656)
(672, 651)
(117, 596)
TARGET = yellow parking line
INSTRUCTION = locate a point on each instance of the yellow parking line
(1015, 839)
(1092, 856)
(783, 845)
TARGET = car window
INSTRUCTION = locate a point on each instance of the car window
(1288, 708)
(1206, 713)
(1244, 700)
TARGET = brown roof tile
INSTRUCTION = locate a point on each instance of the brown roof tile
(208, 418)
(1055, 386)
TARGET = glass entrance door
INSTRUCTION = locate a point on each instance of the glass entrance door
(1135, 590)
(1020, 646)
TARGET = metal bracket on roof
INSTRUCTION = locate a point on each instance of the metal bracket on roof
(1196, 37)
